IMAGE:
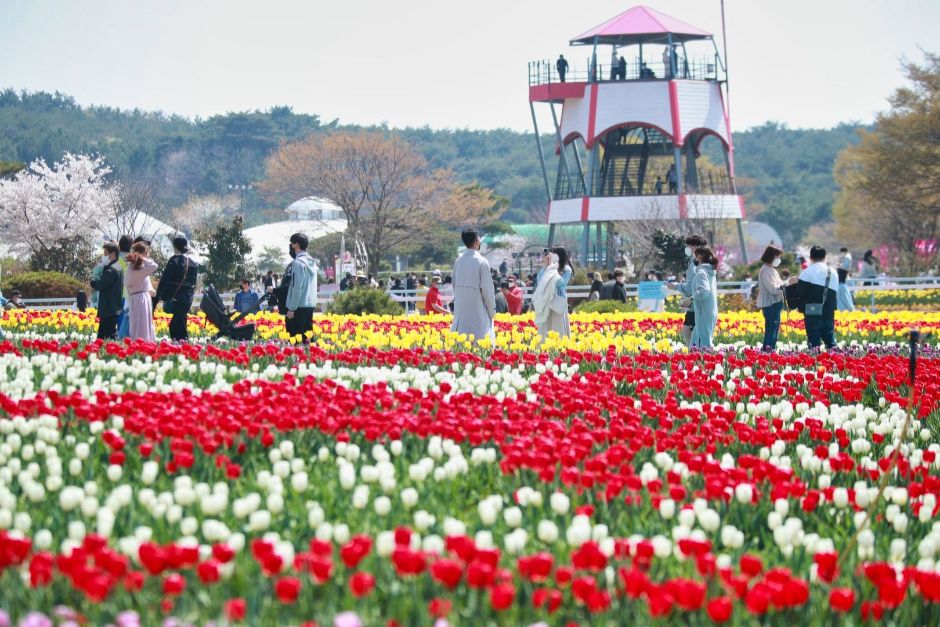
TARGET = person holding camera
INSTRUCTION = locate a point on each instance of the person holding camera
(817, 292)
(550, 299)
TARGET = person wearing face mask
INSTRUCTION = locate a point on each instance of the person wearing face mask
(110, 285)
(685, 288)
(302, 292)
(704, 298)
(770, 295)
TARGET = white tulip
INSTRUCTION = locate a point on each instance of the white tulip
(385, 542)
(382, 505)
(259, 520)
(547, 531)
(43, 539)
(667, 508)
(360, 497)
(454, 527)
(744, 493)
(76, 530)
(483, 539)
(341, 531)
(840, 497)
(687, 518)
(423, 520)
(512, 516)
(559, 503)
(409, 497)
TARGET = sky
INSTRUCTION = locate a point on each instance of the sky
(444, 64)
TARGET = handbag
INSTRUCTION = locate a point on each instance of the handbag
(168, 304)
(816, 309)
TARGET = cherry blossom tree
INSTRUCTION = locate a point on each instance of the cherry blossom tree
(49, 212)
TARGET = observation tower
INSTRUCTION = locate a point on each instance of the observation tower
(643, 132)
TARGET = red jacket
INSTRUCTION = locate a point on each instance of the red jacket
(514, 300)
(433, 298)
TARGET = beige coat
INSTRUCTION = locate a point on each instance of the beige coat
(474, 296)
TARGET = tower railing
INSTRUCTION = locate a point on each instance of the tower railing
(705, 68)
(614, 184)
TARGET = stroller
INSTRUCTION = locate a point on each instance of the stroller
(225, 321)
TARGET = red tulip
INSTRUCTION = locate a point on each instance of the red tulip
(287, 590)
(174, 584)
(502, 596)
(842, 599)
(361, 584)
(235, 609)
(719, 609)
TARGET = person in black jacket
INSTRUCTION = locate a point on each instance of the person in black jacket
(110, 286)
(176, 287)
(618, 291)
(819, 283)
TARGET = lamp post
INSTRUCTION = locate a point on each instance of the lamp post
(241, 189)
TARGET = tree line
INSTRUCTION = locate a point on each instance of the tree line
(787, 174)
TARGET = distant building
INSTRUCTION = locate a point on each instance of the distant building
(313, 216)
(314, 208)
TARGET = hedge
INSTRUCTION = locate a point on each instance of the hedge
(43, 285)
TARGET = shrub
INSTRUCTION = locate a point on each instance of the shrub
(606, 306)
(365, 300)
(44, 285)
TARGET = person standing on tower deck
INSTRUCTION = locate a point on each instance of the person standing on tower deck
(672, 179)
(562, 66)
(622, 69)
(614, 73)
(667, 71)
(474, 298)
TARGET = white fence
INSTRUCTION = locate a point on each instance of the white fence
(575, 292)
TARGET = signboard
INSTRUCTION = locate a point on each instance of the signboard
(651, 290)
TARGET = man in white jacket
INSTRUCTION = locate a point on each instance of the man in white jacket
(474, 296)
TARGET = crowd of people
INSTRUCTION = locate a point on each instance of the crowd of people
(125, 297)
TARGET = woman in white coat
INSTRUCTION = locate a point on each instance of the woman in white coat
(550, 299)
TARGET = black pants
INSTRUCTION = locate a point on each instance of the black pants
(689, 319)
(820, 329)
(107, 327)
(178, 331)
(301, 322)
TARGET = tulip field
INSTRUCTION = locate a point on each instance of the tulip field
(394, 473)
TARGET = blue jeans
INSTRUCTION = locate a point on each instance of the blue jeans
(820, 329)
(771, 325)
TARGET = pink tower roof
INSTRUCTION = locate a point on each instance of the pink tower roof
(641, 24)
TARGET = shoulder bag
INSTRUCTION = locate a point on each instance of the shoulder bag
(816, 309)
(168, 304)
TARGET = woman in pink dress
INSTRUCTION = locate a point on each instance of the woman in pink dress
(140, 292)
